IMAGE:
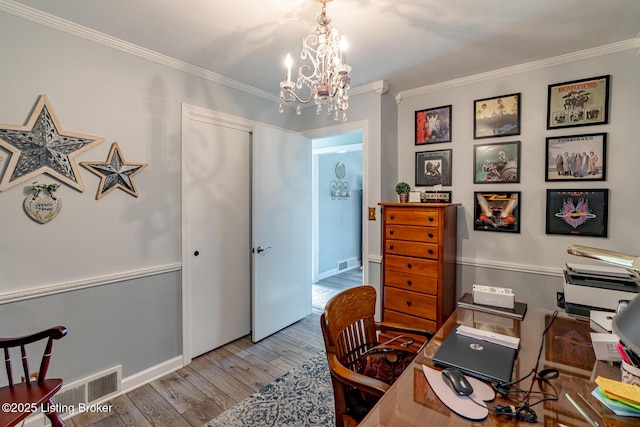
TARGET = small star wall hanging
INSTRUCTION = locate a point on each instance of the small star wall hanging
(115, 173)
(41, 146)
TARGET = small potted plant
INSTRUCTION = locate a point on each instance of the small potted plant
(403, 191)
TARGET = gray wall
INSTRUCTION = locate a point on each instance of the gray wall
(530, 262)
(339, 220)
(95, 89)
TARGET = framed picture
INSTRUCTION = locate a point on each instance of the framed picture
(497, 211)
(496, 163)
(497, 116)
(433, 125)
(578, 212)
(436, 197)
(577, 158)
(433, 168)
(578, 103)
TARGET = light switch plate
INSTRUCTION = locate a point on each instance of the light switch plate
(372, 214)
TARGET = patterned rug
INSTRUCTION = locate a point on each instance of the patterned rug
(303, 397)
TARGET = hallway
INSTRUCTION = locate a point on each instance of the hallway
(324, 289)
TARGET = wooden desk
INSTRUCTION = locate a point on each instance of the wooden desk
(411, 402)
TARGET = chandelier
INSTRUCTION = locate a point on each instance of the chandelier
(327, 78)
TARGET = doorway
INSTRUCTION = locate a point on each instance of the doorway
(337, 215)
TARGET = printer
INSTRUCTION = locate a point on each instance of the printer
(589, 287)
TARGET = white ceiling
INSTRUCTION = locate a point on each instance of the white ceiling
(409, 43)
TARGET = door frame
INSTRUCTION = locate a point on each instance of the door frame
(363, 126)
(191, 112)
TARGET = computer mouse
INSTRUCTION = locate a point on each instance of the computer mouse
(457, 381)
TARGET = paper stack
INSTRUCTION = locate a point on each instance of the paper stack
(621, 398)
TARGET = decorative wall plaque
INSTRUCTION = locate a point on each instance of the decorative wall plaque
(43, 205)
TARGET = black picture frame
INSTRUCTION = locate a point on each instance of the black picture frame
(496, 163)
(497, 116)
(497, 211)
(433, 125)
(433, 168)
(436, 197)
(576, 157)
(582, 102)
(578, 212)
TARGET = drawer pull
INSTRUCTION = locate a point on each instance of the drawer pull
(390, 246)
(409, 282)
(409, 265)
(408, 303)
(391, 216)
(430, 235)
(430, 219)
(390, 231)
(430, 251)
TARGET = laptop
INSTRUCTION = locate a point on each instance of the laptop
(480, 359)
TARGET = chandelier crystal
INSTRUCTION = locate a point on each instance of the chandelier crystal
(327, 78)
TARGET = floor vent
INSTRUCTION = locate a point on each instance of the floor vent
(89, 390)
(342, 265)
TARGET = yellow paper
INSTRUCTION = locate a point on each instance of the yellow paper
(621, 390)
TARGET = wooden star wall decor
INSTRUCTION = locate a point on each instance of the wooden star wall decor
(115, 173)
(41, 146)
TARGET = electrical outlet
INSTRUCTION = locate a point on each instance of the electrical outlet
(372, 214)
(560, 299)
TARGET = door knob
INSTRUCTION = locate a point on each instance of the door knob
(260, 249)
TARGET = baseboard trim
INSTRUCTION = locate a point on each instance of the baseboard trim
(150, 374)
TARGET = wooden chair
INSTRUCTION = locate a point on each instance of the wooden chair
(349, 330)
(28, 396)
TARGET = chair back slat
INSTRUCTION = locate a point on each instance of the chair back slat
(25, 363)
(7, 364)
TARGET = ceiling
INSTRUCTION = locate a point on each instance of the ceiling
(408, 43)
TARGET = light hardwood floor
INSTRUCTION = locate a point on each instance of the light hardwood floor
(216, 381)
(213, 382)
(324, 289)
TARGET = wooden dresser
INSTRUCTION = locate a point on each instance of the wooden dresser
(419, 263)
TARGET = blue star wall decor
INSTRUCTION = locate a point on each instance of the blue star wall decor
(115, 173)
(41, 146)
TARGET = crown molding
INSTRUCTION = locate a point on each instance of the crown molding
(530, 66)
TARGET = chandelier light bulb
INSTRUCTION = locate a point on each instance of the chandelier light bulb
(344, 45)
(288, 62)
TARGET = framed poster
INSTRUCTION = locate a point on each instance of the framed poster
(578, 103)
(576, 158)
(497, 211)
(433, 125)
(496, 163)
(578, 212)
(497, 116)
(433, 168)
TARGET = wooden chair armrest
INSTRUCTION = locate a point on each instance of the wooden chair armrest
(354, 379)
(395, 327)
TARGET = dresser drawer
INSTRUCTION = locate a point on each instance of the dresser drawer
(411, 303)
(404, 264)
(412, 217)
(412, 233)
(411, 321)
(411, 282)
(416, 249)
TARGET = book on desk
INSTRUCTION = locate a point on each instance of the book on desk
(517, 312)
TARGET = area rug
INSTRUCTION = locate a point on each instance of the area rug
(303, 397)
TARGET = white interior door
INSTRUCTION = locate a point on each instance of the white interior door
(281, 230)
(217, 232)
